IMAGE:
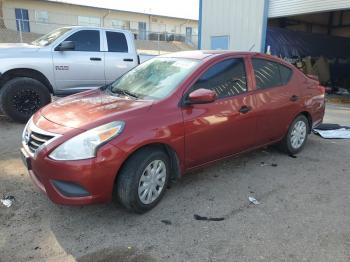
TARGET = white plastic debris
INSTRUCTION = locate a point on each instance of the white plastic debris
(253, 200)
(7, 201)
(337, 133)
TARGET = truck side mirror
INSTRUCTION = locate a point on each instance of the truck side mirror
(66, 46)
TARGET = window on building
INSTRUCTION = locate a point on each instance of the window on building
(22, 20)
(142, 31)
(270, 74)
(226, 78)
(42, 17)
(89, 21)
(120, 24)
(116, 42)
(86, 40)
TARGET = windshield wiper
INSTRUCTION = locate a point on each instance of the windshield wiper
(124, 92)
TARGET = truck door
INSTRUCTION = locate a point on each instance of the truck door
(82, 68)
(120, 55)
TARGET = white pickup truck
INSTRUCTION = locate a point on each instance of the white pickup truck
(63, 62)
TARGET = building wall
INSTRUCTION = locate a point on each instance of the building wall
(64, 14)
(280, 8)
(241, 20)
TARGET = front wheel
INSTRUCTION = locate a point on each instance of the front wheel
(295, 139)
(21, 97)
(143, 180)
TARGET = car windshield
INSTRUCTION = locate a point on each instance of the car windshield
(50, 37)
(154, 79)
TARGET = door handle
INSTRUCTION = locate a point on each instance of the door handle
(128, 59)
(95, 58)
(245, 109)
(294, 98)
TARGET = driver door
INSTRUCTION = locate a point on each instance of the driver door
(83, 68)
(221, 128)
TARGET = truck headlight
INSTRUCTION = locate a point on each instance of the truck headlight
(85, 145)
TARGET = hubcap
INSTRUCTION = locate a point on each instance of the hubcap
(26, 101)
(298, 134)
(152, 182)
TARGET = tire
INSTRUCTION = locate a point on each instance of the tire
(132, 179)
(21, 97)
(300, 127)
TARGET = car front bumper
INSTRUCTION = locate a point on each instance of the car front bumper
(76, 182)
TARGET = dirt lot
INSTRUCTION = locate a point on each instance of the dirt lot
(304, 213)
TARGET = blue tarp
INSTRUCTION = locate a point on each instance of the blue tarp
(288, 43)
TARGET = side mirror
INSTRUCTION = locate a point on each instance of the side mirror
(201, 96)
(66, 46)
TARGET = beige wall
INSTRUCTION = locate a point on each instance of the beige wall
(65, 14)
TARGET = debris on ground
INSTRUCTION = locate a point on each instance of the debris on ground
(293, 156)
(332, 131)
(7, 201)
(253, 200)
(166, 222)
(265, 164)
(198, 217)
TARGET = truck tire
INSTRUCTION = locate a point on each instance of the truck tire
(21, 97)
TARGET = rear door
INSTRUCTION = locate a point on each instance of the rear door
(119, 54)
(276, 98)
(82, 68)
(219, 129)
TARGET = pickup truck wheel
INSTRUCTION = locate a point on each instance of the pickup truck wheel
(295, 139)
(21, 97)
(143, 180)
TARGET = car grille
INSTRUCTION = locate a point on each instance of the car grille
(36, 140)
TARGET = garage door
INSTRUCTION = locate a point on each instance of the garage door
(279, 8)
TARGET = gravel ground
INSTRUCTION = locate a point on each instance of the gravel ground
(303, 215)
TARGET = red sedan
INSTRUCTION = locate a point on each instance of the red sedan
(171, 114)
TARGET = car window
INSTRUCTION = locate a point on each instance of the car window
(116, 42)
(226, 78)
(270, 74)
(267, 73)
(286, 74)
(86, 40)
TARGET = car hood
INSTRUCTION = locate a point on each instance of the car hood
(16, 49)
(93, 108)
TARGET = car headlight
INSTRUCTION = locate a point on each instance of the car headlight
(85, 145)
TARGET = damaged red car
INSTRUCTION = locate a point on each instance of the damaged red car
(170, 115)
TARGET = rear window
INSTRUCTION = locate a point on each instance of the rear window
(286, 74)
(117, 42)
(270, 74)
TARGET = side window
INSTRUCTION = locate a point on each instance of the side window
(267, 73)
(286, 74)
(116, 42)
(226, 78)
(86, 40)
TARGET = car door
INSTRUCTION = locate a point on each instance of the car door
(81, 68)
(226, 126)
(276, 99)
(119, 56)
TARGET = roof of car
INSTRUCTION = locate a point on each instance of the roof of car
(202, 54)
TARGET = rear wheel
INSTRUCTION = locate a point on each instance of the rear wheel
(295, 139)
(21, 97)
(143, 180)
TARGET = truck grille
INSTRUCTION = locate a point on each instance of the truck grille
(36, 140)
